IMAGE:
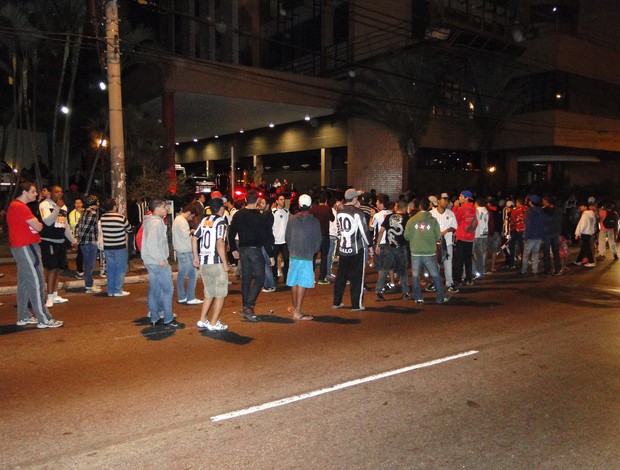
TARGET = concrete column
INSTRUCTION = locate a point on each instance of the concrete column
(167, 112)
(326, 167)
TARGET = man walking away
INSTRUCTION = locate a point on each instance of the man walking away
(423, 233)
(354, 242)
(303, 236)
(209, 250)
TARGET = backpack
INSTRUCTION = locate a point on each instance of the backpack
(611, 220)
(139, 237)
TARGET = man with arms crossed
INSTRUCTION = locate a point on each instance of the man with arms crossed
(24, 238)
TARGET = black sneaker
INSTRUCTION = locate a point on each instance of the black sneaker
(408, 297)
(173, 324)
(431, 288)
(248, 314)
(379, 297)
(453, 289)
(158, 322)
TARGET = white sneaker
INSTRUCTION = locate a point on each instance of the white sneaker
(50, 302)
(50, 324)
(123, 293)
(201, 324)
(194, 302)
(60, 300)
(93, 290)
(218, 327)
(27, 321)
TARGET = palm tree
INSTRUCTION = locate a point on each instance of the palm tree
(399, 92)
(20, 38)
(496, 94)
(67, 17)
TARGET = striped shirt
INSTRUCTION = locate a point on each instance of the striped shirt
(211, 228)
(114, 227)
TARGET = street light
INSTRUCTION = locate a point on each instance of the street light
(64, 110)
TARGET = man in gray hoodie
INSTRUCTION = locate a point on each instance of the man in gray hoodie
(155, 254)
(303, 238)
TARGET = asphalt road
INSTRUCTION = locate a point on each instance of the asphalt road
(514, 372)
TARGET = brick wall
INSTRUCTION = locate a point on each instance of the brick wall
(374, 158)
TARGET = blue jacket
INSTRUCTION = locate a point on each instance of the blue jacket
(534, 224)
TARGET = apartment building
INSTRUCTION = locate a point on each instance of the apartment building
(270, 82)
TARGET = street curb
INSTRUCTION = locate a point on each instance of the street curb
(77, 284)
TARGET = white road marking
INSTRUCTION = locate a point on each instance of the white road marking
(351, 383)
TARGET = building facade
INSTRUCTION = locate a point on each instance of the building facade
(559, 132)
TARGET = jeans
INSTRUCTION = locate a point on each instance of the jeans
(607, 235)
(324, 250)
(480, 255)
(277, 249)
(252, 274)
(553, 244)
(333, 241)
(186, 270)
(269, 282)
(531, 250)
(431, 265)
(161, 291)
(462, 256)
(447, 266)
(116, 261)
(89, 252)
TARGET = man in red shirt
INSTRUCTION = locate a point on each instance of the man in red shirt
(24, 238)
(517, 227)
(467, 222)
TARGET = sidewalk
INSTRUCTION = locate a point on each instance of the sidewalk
(136, 272)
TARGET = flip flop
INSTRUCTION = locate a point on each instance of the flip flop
(304, 317)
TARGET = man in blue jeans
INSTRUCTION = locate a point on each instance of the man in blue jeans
(182, 244)
(155, 256)
(255, 233)
(423, 233)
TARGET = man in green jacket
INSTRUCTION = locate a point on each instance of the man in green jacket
(423, 232)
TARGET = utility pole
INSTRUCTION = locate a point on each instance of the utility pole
(115, 101)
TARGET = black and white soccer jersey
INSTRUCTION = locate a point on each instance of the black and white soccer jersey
(210, 229)
(353, 231)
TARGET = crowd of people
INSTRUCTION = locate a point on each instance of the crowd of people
(451, 240)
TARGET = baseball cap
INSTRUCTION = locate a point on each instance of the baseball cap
(466, 193)
(218, 194)
(350, 194)
(305, 200)
(534, 199)
(510, 204)
(433, 200)
(445, 196)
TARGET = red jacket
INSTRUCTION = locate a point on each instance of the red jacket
(465, 215)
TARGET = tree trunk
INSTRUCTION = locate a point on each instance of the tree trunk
(66, 144)
(56, 109)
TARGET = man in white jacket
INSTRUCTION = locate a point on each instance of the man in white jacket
(481, 239)
(585, 231)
